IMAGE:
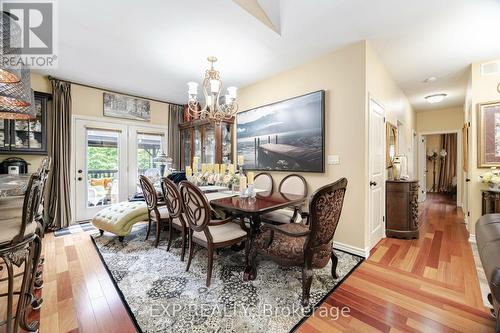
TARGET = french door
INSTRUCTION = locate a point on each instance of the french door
(109, 157)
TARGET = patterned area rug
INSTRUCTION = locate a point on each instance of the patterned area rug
(76, 228)
(163, 297)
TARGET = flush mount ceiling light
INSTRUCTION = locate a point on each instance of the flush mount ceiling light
(435, 98)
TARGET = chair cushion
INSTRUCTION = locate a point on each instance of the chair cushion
(12, 207)
(222, 233)
(120, 217)
(281, 216)
(288, 250)
(9, 228)
(163, 210)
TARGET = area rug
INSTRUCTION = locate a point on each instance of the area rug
(162, 297)
(76, 228)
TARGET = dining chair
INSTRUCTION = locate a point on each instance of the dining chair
(157, 211)
(291, 184)
(307, 245)
(20, 244)
(211, 234)
(264, 181)
(174, 204)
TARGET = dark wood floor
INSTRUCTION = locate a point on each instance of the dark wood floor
(425, 285)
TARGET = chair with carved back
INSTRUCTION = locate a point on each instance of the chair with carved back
(20, 244)
(211, 234)
(264, 181)
(291, 184)
(309, 244)
(157, 211)
(174, 204)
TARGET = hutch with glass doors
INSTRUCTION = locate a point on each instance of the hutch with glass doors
(210, 140)
(26, 136)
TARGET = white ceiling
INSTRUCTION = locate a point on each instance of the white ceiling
(152, 48)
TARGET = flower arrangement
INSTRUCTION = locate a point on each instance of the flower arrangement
(492, 178)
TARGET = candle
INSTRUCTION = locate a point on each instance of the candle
(241, 159)
(231, 91)
(189, 172)
(214, 86)
(210, 168)
(203, 168)
(223, 169)
(216, 168)
(193, 88)
(243, 183)
(250, 177)
(195, 167)
(196, 159)
(231, 169)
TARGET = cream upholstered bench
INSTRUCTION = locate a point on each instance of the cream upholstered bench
(119, 218)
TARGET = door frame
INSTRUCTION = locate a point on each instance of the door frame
(109, 122)
(459, 161)
(422, 168)
(371, 99)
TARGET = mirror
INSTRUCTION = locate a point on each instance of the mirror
(391, 143)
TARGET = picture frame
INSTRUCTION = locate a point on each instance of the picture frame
(126, 107)
(391, 144)
(489, 134)
(288, 135)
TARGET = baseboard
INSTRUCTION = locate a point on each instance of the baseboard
(472, 238)
(365, 253)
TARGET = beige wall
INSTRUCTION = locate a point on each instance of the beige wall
(87, 102)
(442, 120)
(481, 89)
(347, 75)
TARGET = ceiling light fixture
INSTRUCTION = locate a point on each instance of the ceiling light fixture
(435, 98)
(212, 86)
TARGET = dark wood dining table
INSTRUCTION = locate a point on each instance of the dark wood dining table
(252, 209)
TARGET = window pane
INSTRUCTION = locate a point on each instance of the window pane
(148, 147)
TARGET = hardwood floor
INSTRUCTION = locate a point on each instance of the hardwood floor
(424, 285)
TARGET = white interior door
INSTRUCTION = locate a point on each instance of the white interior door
(377, 169)
(422, 168)
(101, 168)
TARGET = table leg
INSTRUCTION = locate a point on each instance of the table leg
(250, 272)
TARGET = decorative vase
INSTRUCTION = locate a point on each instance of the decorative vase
(494, 187)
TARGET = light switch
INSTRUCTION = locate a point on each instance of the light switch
(333, 159)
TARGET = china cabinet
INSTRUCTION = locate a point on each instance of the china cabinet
(211, 141)
(26, 136)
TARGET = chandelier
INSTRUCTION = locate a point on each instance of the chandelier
(213, 108)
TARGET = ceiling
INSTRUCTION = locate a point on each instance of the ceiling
(152, 48)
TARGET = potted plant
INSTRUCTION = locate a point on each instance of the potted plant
(492, 178)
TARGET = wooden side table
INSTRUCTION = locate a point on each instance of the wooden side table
(491, 202)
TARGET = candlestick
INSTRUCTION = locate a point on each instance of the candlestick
(203, 167)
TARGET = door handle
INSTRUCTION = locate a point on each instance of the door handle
(372, 183)
(467, 180)
(80, 171)
(80, 179)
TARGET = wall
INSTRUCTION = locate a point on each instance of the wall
(481, 89)
(348, 76)
(342, 75)
(86, 102)
(441, 120)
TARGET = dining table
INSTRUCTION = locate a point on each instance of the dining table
(13, 185)
(251, 209)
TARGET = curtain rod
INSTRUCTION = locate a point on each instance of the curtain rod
(111, 91)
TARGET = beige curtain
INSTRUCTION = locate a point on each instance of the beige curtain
(448, 168)
(175, 116)
(60, 151)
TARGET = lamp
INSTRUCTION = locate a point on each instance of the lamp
(10, 36)
(19, 112)
(435, 98)
(164, 160)
(212, 87)
(17, 94)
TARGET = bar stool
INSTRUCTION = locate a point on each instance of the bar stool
(20, 244)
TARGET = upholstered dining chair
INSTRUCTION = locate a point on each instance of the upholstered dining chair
(19, 243)
(291, 184)
(211, 234)
(264, 181)
(157, 211)
(173, 201)
(308, 245)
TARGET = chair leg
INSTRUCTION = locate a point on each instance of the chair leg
(183, 250)
(335, 261)
(210, 265)
(307, 276)
(158, 230)
(25, 295)
(149, 227)
(101, 232)
(170, 233)
(191, 248)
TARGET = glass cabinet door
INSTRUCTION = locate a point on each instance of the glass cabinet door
(226, 142)
(27, 135)
(4, 128)
(186, 147)
(197, 142)
(209, 144)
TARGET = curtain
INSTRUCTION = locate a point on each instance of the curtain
(59, 211)
(174, 119)
(448, 169)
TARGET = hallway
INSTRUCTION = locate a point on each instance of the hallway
(424, 285)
